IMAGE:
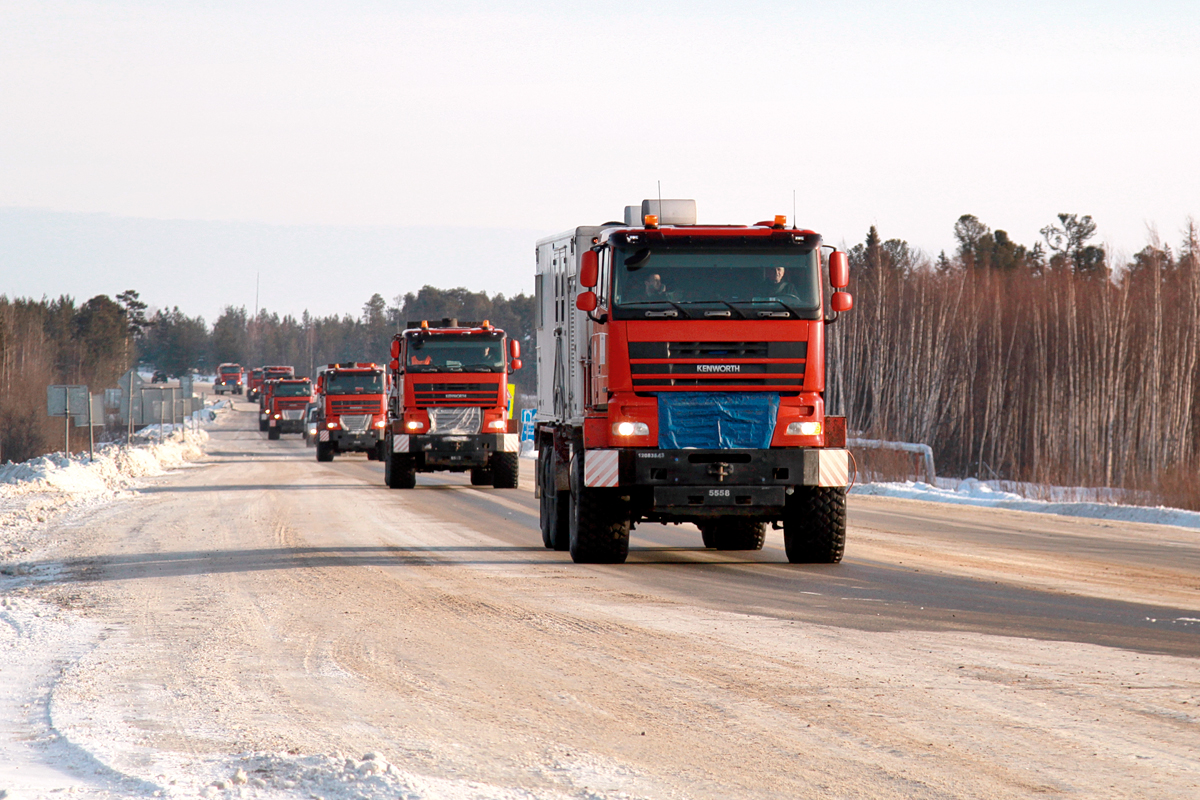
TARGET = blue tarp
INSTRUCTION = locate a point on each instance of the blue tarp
(716, 420)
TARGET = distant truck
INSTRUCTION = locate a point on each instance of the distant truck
(681, 378)
(229, 379)
(271, 373)
(448, 404)
(285, 407)
(254, 381)
(351, 414)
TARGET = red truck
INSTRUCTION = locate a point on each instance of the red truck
(681, 378)
(272, 373)
(448, 404)
(351, 415)
(285, 404)
(229, 379)
(254, 380)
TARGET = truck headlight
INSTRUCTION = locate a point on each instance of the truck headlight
(498, 424)
(631, 429)
(804, 429)
(414, 425)
(331, 425)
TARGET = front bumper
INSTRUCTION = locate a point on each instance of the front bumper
(449, 451)
(347, 442)
(690, 484)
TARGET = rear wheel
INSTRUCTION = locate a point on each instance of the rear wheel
(599, 521)
(481, 476)
(814, 525)
(733, 533)
(505, 470)
(324, 451)
(553, 506)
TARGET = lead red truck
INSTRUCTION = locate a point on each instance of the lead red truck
(681, 378)
(448, 405)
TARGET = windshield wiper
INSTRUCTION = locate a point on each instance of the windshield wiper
(656, 313)
(717, 313)
(790, 312)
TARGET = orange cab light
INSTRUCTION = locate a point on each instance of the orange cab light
(425, 324)
(650, 220)
(780, 221)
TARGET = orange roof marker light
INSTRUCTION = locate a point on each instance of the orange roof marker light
(780, 221)
(650, 220)
(425, 324)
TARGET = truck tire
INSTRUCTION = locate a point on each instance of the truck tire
(556, 532)
(399, 472)
(814, 525)
(505, 470)
(733, 533)
(324, 451)
(481, 476)
(273, 432)
(599, 521)
(262, 424)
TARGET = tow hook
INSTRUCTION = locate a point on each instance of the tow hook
(720, 470)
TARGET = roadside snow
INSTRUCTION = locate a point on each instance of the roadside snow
(971, 492)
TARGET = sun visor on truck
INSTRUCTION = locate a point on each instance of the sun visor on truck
(716, 420)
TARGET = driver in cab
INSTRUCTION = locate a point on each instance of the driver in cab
(775, 283)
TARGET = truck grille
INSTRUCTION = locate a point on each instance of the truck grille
(456, 394)
(659, 366)
(364, 406)
(455, 420)
(356, 423)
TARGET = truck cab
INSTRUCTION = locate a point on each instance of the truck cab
(352, 417)
(254, 380)
(449, 404)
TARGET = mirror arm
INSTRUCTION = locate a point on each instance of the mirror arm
(602, 319)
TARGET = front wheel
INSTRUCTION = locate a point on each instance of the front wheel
(599, 521)
(272, 432)
(505, 469)
(814, 525)
(398, 471)
(481, 476)
(324, 451)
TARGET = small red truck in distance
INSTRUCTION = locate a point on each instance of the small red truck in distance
(285, 406)
(271, 373)
(254, 380)
(229, 379)
(351, 416)
(448, 404)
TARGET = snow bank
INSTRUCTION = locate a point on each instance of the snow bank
(971, 492)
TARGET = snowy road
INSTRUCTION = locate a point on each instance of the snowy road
(256, 625)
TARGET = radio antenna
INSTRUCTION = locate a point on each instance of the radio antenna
(793, 209)
(660, 214)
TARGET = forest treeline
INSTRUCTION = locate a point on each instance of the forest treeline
(1045, 363)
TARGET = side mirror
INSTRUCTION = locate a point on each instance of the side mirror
(514, 365)
(395, 348)
(839, 269)
(841, 301)
(586, 301)
(589, 269)
(394, 366)
(514, 348)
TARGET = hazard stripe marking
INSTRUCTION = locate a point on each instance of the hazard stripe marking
(512, 442)
(601, 468)
(323, 436)
(833, 468)
(400, 443)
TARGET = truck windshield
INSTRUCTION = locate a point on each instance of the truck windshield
(293, 389)
(354, 383)
(230, 371)
(455, 354)
(701, 283)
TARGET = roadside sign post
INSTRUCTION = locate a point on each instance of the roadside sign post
(64, 401)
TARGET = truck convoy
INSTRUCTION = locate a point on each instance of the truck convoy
(448, 404)
(681, 378)
(229, 379)
(285, 404)
(351, 415)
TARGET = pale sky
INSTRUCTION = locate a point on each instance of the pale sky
(451, 135)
